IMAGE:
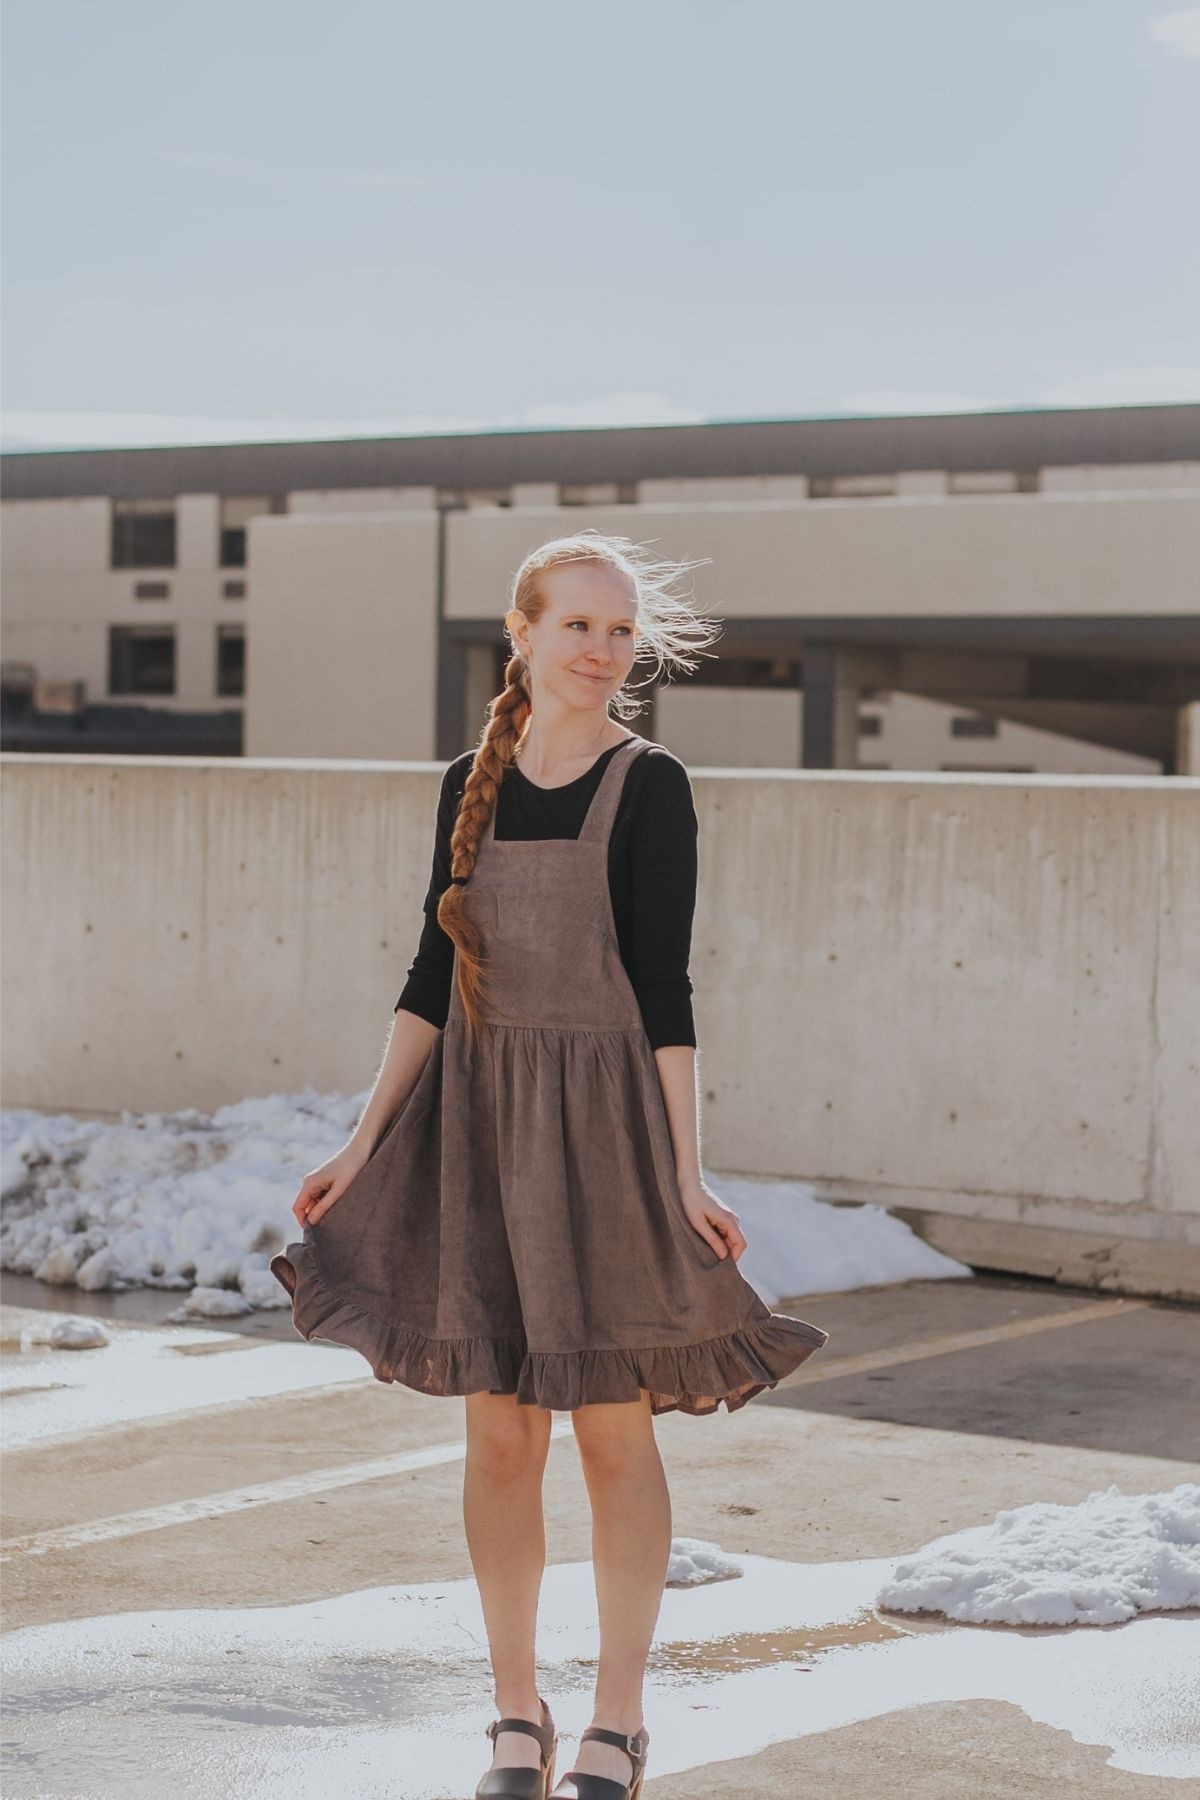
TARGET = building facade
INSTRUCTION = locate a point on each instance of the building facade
(1010, 591)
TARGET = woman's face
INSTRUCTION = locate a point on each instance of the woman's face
(581, 649)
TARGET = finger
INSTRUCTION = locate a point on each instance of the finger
(311, 1189)
(323, 1205)
(732, 1236)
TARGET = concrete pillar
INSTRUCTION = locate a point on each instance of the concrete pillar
(197, 534)
(1187, 738)
(832, 686)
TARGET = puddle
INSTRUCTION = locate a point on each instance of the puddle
(150, 1373)
(389, 1689)
(762, 1649)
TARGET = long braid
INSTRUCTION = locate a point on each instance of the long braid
(508, 715)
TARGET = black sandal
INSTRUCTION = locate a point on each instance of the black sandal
(636, 1746)
(517, 1782)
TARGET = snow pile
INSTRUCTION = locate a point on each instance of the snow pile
(169, 1200)
(185, 1200)
(217, 1303)
(693, 1561)
(1103, 1561)
(797, 1244)
(67, 1334)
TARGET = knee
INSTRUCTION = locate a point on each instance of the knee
(505, 1443)
(612, 1440)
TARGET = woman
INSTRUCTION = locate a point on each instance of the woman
(520, 1216)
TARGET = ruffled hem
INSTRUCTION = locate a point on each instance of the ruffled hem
(692, 1378)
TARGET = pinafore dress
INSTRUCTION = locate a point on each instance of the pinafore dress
(519, 1228)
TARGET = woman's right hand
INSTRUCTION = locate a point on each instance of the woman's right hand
(323, 1187)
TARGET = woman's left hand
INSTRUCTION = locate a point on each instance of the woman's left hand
(716, 1222)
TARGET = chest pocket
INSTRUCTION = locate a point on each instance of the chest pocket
(552, 904)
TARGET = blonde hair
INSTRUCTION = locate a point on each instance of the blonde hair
(671, 634)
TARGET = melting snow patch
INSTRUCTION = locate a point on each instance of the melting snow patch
(695, 1560)
(211, 1303)
(1103, 1561)
(67, 1334)
(216, 1701)
(168, 1200)
(798, 1244)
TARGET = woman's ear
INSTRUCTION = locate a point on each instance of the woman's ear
(515, 621)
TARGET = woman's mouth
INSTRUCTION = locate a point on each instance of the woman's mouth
(601, 679)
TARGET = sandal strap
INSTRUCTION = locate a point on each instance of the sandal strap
(545, 1734)
(634, 1743)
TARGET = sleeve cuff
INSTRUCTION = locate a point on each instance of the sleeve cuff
(667, 1016)
(425, 999)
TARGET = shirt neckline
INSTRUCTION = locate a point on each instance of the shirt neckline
(565, 786)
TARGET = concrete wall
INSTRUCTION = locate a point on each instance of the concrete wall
(976, 996)
(1004, 555)
(342, 656)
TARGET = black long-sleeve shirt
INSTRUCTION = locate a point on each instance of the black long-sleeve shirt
(652, 875)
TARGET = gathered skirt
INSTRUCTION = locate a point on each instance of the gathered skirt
(519, 1229)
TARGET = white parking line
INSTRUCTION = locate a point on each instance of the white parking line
(215, 1506)
(835, 1367)
(318, 1481)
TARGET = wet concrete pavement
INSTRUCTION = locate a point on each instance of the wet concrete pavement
(164, 1611)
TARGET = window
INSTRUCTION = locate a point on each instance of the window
(152, 590)
(231, 659)
(141, 659)
(974, 725)
(994, 481)
(501, 496)
(597, 493)
(851, 487)
(870, 725)
(236, 513)
(143, 534)
(233, 590)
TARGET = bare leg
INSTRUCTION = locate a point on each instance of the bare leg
(507, 1446)
(631, 1543)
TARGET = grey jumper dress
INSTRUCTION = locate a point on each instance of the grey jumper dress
(519, 1228)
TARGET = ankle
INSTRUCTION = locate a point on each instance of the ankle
(627, 1719)
(513, 1704)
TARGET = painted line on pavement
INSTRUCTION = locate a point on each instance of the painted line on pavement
(839, 1366)
(318, 1481)
(216, 1506)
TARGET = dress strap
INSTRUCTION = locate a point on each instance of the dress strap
(603, 809)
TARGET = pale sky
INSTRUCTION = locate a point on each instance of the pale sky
(259, 220)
